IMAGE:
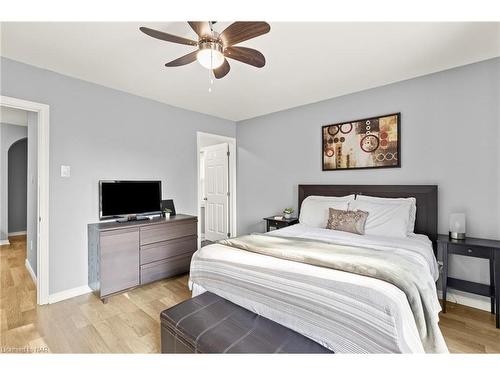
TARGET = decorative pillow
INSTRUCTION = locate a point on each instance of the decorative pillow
(347, 221)
(314, 209)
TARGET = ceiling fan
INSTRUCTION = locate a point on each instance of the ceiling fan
(213, 48)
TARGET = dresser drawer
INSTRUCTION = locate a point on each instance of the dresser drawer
(165, 268)
(165, 232)
(119, 260)
(167, 249)
(471, 251)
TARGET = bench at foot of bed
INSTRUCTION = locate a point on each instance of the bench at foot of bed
(210, 324)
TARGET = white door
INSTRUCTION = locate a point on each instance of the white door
(216, 191)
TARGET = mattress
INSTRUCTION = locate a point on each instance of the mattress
(345, 312)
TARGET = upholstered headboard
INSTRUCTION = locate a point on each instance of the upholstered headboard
(426, 196)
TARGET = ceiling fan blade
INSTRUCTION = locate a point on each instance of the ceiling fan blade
(238, 32)
(167, 37)
(222, 70)
(246, 55)
(184, 60)
(201, 28)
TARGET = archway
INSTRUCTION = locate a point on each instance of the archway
(17, 190)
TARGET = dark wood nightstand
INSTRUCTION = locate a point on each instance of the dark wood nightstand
(271, 222)
(478, 248)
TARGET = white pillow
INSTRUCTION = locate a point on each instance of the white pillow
(411, 200)
(314, 209)
(384, 219)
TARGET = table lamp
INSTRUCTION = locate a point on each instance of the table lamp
(457, 226)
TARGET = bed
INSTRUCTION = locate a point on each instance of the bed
(345, 310)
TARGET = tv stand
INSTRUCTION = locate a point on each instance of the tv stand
(126, 255)
(132, 218)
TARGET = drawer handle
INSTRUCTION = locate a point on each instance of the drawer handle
(469, 251)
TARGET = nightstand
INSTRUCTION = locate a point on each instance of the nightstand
(478, 248)
(271, 222)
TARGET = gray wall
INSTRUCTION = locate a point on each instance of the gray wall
(105, 134)
(450, 133)
(8, 135)
(450, 137)
(17, 185)
(31, 230)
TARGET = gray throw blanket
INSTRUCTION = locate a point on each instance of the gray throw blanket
(388, 265)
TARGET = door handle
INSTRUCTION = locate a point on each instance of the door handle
(205, 199)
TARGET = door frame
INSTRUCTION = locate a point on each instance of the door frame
(42, 248)
(231, 141)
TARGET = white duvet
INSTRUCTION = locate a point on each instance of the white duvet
(374, 302)
(418, 245)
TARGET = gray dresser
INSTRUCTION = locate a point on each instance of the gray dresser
(125, 255)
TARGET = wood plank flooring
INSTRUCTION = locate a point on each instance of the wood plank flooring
(130, 323)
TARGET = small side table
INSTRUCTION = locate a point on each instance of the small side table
(478, 248)
(271, 222)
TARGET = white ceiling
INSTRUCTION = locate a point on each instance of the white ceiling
(306, 62)
(13, 116)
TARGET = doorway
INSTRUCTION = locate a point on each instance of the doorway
(216, 157)
(37, 216)
(17, 187)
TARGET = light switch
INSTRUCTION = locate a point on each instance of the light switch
(65, 171)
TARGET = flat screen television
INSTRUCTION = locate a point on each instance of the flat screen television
(128, 198)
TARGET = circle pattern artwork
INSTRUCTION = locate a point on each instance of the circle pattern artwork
(388, 156)
(366, 143)
(333, 130)
(369, 143)
(346, 128)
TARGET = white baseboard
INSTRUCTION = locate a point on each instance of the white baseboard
(4, 242)
(17, 233)
(69, 293)
(30, 270)
(467, 299)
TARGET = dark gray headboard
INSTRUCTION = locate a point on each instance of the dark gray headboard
(426, 196)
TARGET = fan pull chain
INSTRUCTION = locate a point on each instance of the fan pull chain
(209, 79)
(210, 73)
(211, 70)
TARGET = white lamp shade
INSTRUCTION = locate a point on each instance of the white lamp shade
(210, 58)
(457, 223)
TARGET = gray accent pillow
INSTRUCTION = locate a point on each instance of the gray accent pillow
(347, 221)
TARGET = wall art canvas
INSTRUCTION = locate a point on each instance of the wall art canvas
(369, 143)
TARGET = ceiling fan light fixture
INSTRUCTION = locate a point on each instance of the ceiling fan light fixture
(210, 55)
(213, 48)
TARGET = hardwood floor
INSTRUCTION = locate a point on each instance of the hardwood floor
(129, 323)
(469, 330)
